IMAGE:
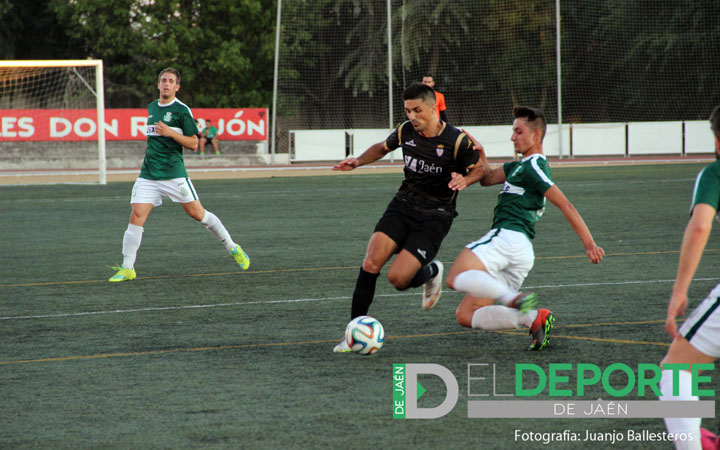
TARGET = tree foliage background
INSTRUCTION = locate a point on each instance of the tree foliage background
(639, 60)
(224, 49)
(621, 60)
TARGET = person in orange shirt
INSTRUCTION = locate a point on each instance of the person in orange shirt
(441, 110)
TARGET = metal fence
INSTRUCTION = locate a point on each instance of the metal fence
(343, 64)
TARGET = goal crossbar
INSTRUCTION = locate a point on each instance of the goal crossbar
(98, 92)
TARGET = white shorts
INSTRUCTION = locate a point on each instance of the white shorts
(179, 190)
(702, 327)
(506, 254)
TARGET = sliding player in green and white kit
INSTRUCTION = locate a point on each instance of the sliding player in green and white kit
(493, 268)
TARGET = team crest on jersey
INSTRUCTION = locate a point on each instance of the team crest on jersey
(168, 117)
(440, 150)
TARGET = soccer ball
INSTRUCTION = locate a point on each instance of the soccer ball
(364, 335)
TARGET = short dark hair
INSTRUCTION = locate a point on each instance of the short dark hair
(419, 91)
(534, 116)
(169, 70)
(715, 121)
(208, 120)
(429, 75)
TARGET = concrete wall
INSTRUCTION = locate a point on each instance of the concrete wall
(601, 139)
(120, 154)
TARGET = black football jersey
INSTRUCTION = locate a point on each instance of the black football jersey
(429, 161)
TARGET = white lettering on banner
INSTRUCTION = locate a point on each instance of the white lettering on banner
(259, 127)
(8, 123)
(112, 128)
(26, 125)
(78, 127)
(8, 127)
(236, 122)
(121, 124)
(238, 127)
(137, 126)
(59, 121)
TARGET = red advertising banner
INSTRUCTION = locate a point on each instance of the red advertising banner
(233, 124)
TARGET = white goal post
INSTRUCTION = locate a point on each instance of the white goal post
(40, 97)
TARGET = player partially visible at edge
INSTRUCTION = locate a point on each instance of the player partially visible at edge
(493, 268)
(698, 340)
(170, 127)
(437, 159)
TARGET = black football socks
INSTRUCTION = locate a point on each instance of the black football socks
(364, 293)
(425, 274)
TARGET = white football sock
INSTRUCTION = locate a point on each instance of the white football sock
(216, 227)
(481, 284)
(498, 317)
(131, 244)
(689, 426)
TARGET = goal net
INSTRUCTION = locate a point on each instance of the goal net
(50, 113)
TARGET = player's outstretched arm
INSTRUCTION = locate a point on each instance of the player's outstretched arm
(493, 176)
(489, 176)
(346, 164)
(372, 154)
(695, 239)
(459, 182)
(476, 172)
(554, 194)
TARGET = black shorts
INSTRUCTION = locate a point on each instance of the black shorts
(419, 233)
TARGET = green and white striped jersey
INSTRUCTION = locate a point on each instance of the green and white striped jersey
(521, 201)
(163, 155)
(707, 187)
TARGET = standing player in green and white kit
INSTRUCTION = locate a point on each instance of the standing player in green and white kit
(698, 340)
(170, 127)
(494, 267)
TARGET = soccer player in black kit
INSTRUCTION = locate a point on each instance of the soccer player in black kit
(439, 161)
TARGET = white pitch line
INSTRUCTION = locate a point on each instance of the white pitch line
(612, 283)
(301, 300)
(171, 308)
(295, 192)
